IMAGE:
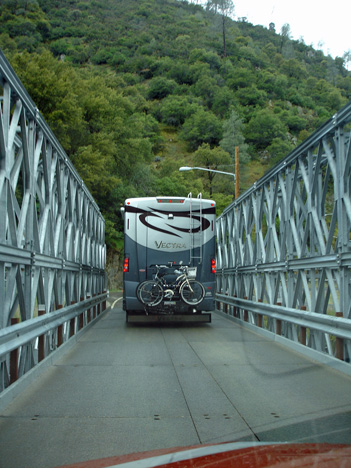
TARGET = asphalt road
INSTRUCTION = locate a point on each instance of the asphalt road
(127, 388)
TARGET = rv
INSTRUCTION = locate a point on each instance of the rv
(176, 236)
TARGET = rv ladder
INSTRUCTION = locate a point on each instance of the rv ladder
(196, 232)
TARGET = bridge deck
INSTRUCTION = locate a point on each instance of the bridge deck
(127, 388)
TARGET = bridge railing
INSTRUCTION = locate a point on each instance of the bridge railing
(284, 246)
(52, 247)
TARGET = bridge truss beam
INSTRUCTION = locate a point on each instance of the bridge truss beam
(287, 242)
(52, 250)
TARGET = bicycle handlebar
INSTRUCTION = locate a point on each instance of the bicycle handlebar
(176, 269)
(181, 267)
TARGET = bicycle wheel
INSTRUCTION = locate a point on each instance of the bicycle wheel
(150, 293)
(192, 292)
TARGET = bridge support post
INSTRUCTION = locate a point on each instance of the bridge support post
(260, 317)
(278, 323)
(99, 306)
(94, 308)
(59, 331)
(88, 311)
(226, 306)
(303, 331)
(339, 351)
(14, 359)
(104, 302)
(72, 325)
(41, 339)
(81, 317)
(246, 314)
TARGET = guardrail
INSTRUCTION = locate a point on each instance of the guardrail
(44, 334)
(303, 322)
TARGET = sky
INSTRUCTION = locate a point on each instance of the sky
(318, 22)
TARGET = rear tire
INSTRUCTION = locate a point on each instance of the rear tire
(192, 292)
(149, 293)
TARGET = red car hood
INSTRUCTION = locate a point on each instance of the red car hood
(233, 454)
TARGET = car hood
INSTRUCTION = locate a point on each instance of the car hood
(233, 454)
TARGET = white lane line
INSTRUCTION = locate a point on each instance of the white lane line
(113, 305)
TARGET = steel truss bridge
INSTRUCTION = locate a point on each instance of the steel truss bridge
(284, 247)
(52, 250)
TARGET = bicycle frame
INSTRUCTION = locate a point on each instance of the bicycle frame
(160, 295)
(183, 277)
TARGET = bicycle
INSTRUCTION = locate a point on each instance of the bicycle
(152, 292)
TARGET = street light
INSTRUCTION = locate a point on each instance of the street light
(187, 168)
(236, 175)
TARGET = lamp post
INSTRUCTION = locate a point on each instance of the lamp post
(187, 168)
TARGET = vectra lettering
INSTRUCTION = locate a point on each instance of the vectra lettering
(169, 245)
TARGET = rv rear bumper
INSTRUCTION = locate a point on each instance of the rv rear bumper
(168, 318)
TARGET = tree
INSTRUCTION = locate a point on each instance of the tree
(347, 58)
(211, 159)
(233, 136)
(205, 88)
(161, 87)
(285, 34)
(223, 100)
(96, 169)
(175, 109)
(225, 8)
(202, 55)
(251, 96)
(279, 149)
(263, 127)
(241, 77)
(202, 127)
(50, 84)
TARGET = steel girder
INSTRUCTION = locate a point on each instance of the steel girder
(52, 248)
(287, 242)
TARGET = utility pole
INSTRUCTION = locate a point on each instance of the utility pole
(237, 172)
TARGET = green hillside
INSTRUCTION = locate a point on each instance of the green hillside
(134, 89)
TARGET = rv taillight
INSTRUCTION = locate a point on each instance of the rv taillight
(126, 265)
(213, 265)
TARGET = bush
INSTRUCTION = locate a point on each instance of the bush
(202, 127)
(161, 87)
(175, 109)
(263, 127)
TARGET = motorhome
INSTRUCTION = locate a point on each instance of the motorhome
(173, 233)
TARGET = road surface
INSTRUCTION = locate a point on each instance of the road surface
(125, 388)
